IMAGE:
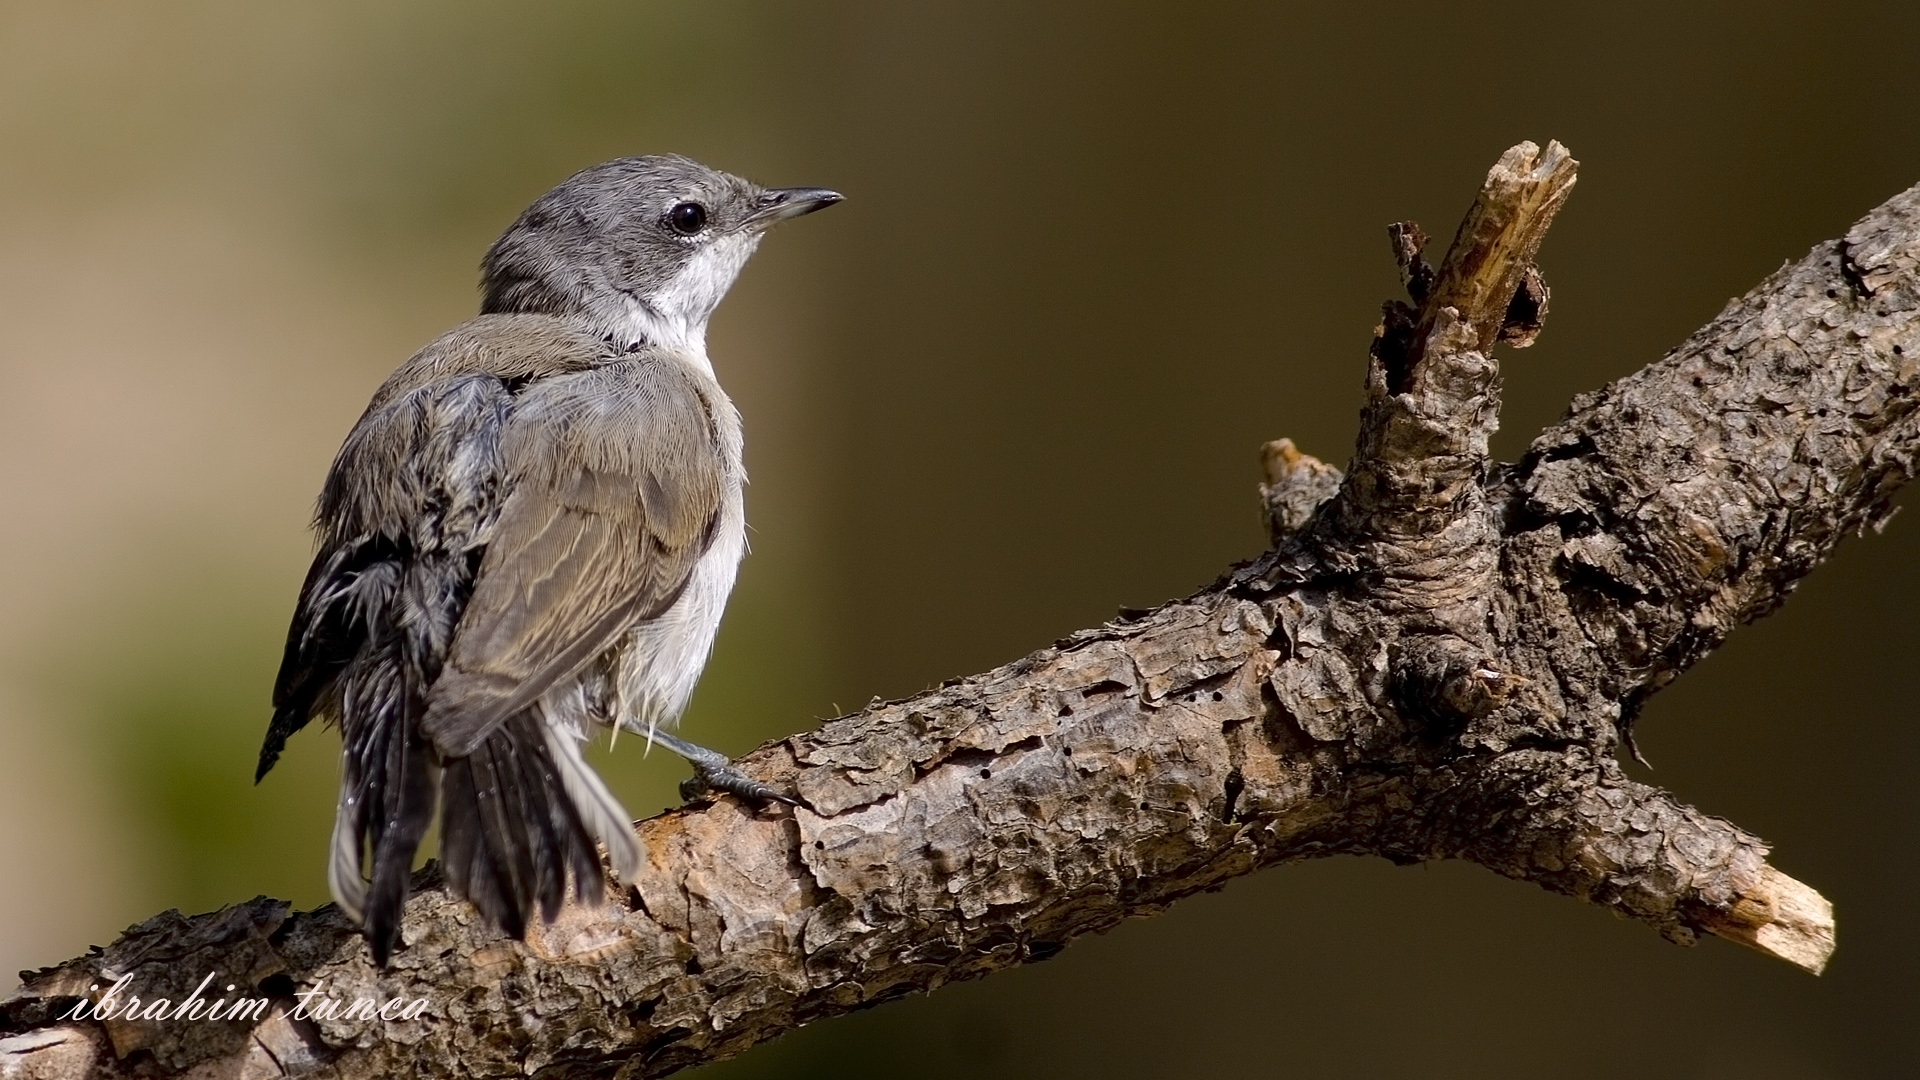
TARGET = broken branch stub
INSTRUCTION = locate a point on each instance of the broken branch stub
(1497, 240)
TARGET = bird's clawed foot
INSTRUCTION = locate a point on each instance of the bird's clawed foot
(713, 771)
(731, 780)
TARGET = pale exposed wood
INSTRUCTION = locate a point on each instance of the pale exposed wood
(1439, 661)
(1498, 239)
(1780, 917)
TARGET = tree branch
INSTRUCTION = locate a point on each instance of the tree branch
(1438, 659)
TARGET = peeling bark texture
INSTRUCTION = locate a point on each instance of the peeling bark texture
(1439, 658)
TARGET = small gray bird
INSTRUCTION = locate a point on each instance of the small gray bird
(532, 530)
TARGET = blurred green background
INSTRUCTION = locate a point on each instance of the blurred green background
(1093, 256)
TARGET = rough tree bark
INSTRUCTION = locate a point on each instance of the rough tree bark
(1439, 658)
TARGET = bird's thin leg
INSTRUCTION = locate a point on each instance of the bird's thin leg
(712, 771)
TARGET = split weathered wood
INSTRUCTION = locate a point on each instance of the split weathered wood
(1439, 658)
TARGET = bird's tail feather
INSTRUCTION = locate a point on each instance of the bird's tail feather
(343, 867)
(517, 823)
(386, 791)
(407, 813)
(603, 815)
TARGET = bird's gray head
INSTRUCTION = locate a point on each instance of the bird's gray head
(642, 247)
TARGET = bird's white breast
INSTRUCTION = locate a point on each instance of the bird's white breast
(660, 660)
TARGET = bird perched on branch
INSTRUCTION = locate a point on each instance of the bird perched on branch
(531, 531)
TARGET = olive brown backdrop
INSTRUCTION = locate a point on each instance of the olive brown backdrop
(1093, 255)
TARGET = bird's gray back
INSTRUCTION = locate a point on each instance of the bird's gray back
(432, 430)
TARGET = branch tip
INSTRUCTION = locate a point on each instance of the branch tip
(1780, 917)
(1494, 249)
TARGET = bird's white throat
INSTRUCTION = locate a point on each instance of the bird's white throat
(675, 317)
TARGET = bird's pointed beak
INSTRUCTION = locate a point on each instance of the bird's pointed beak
(779, 204)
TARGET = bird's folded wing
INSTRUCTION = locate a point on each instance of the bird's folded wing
(415, 486)
(615, 487)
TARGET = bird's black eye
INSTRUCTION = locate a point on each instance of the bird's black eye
(687, 218)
